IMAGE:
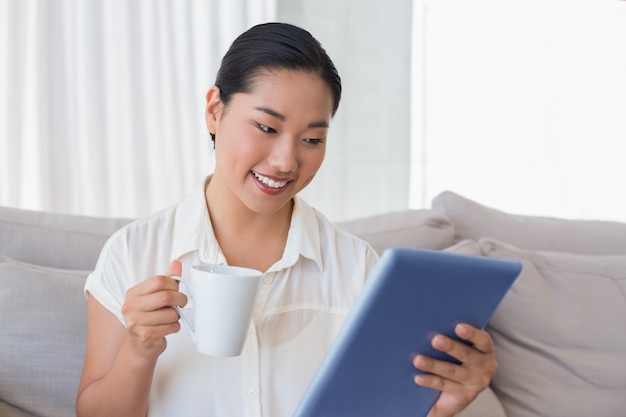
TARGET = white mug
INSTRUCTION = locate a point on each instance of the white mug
(223, 299)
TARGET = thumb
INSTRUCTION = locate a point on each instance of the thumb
(175, 268)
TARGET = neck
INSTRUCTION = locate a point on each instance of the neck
(247, 238)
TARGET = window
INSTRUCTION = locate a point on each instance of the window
(520, 105)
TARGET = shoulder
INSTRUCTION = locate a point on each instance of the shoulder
(144, 229)
(337, 233)
(142, 239)
(334, 240)
(160, 232)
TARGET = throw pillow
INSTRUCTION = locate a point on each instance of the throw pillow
(411, 228)
(474, 221)
(43, 328)
(467, 247)
(486, 404)
(559, 334)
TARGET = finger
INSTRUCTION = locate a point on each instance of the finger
(153, 294)
(480, 350)
(458, 350)
(479, 338)
(152, 285)
(430, 381)
(163, 316)
(175, 268)
(441, 372)
(455, 394)
(160, 299)
(152, 309)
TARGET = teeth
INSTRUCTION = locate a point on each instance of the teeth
(270, 182)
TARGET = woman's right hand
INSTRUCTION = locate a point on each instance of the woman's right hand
(148, 311)
(120, 360)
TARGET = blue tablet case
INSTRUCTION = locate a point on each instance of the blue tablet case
(411, 295)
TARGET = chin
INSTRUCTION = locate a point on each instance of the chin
(263, 208)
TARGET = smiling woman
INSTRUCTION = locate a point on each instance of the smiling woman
(269, 122)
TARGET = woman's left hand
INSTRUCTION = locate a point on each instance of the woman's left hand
(459, 384)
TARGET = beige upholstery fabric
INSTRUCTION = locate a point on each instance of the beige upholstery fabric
(411, 228)
(487, 403)
(559, 334)
(56, 240)
(42, 327)
(474, 221)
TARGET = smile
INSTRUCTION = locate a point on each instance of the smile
(270, 182)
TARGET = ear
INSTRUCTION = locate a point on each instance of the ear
(213, 108)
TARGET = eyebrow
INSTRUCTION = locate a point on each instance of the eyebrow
(282, 118)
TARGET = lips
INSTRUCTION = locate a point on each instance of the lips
(274, 184)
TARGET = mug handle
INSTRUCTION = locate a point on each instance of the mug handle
(186, 323)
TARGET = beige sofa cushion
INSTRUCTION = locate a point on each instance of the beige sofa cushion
(7, 410)
(487, 403)
(560, 334)
(475, 221)
(57, 240)
(43, 328)
(425, 229)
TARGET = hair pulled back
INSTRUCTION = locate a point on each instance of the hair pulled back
(274, 46)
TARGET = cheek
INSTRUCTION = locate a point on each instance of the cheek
(309, 171)
(313, 160)
(239, 145)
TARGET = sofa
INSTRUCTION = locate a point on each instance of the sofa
(560, 332)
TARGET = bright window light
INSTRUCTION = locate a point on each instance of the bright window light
(520, 105)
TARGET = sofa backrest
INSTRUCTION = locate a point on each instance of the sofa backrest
(44, 260)
(55, 240)
(475, 221)
(557, 347)
(426, 229)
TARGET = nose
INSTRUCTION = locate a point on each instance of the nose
(284, 157)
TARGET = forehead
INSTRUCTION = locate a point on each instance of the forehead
(289, 91)
(289, 78)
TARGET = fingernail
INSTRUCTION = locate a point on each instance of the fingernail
(419, 379)
(421, 361)
(462, 330)
(439, 342)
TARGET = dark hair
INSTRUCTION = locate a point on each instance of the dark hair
(274, 46)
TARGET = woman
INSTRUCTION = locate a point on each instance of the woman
(268, 115)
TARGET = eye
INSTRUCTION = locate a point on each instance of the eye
(314, 141)
(265, 128)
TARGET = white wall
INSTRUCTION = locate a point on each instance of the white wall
(520, 105)
(366, 170)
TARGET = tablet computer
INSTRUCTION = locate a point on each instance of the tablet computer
(411, 295)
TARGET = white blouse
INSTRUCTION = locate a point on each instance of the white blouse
(302, 302)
